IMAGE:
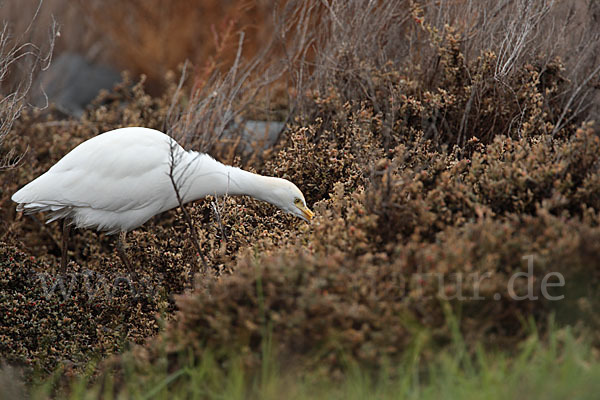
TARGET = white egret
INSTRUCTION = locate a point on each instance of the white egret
(118, 180)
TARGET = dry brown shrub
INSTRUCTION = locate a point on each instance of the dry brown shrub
(435, 67)
(417, 170)
(331, 304)
(50, 320)
(398, 210)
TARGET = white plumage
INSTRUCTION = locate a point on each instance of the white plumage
(118, 180)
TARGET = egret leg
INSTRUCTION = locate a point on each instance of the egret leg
(121, 251)
(65, 239)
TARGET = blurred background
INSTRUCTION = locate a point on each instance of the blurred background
(149, 37)
(97, 39)
(94, 40)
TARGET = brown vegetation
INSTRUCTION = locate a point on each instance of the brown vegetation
(427, 150)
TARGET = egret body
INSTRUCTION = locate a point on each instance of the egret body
(118, 180)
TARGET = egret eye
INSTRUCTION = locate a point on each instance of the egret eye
(297, 201)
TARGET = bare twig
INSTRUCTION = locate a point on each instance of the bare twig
(217, 211)
(173, 162)
(16, 55)
(519, 32)
(176, 95)
(573, 96)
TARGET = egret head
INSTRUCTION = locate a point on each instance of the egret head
(285, 195)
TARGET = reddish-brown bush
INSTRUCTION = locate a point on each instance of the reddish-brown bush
(417, 173)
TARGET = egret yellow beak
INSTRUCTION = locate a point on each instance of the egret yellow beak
(308, 215)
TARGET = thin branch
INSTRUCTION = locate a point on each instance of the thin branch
(17, 54)
(186, 215)
(217, 211)
(575, 93)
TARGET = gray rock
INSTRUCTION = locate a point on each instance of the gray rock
(266, 132)
(71, 83)
(255, 134)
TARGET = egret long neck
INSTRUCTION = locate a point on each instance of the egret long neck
(206, 176)
(237, 182)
